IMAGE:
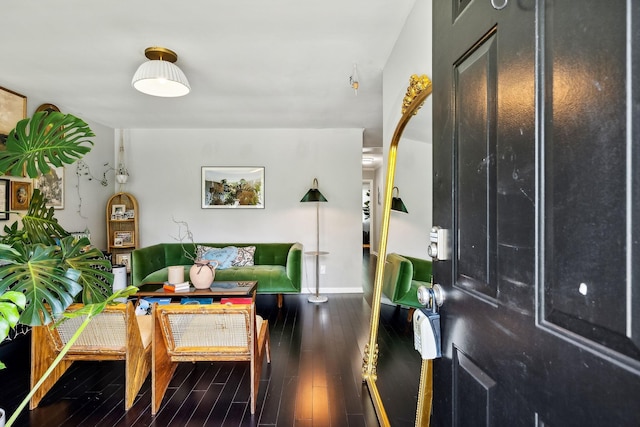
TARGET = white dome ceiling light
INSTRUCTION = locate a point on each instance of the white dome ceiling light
(160, 76)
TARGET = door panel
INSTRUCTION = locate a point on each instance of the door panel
(475, 168)
(536, 130)
(585, 282)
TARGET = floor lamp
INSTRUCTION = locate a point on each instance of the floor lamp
(314, 195)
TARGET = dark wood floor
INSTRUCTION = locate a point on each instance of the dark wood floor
(314, 378)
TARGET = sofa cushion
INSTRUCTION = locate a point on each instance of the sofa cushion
(224, 256)
(244, 257)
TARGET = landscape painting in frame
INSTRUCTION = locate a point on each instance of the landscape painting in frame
(13, 108)
(227, 187)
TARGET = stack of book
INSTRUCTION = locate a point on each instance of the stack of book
(177, 287)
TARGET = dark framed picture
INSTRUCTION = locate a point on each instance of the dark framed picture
(20, 195)
(230, 187)
(4, 199)
(51, 186)
(13, 108)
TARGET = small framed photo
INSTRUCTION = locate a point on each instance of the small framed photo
(125, 236)
(118, 210)
(4, 199)
(117, 241)
(20, 195)
(124, 259)
(130, 214)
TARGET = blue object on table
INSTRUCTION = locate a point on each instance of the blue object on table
(160, 301)
(196, 301)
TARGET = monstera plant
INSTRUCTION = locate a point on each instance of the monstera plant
(43, 269)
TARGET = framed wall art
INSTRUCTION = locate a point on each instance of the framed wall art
(228, 187)
(118, 211)
(13, 108)
(4, 199)
(51, 186)
(20, 195)
(126, 237)
(124, 259)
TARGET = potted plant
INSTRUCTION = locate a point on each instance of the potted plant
(122, 174)
(43, 268)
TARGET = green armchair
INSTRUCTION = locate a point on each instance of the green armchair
(403, 275)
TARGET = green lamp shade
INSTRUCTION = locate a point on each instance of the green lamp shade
(398, 205)
(313, 195)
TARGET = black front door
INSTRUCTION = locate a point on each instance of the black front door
(537, 174)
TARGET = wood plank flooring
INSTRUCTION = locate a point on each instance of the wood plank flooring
(314, 378)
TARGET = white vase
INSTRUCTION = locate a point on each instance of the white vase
(202, 274)
(122, 179)
(2, 417)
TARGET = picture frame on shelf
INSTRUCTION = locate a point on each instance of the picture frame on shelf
(124, 258)
(125, 236)
(118, 210)
(14, 108)
(20, 195)
(232, 187)
(51, 185)
(4, 199)
(130, 214)
(117, 241)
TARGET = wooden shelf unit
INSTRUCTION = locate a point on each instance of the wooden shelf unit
(122, 225)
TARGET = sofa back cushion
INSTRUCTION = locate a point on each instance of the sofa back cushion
(265, 254)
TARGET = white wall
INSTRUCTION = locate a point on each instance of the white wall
(165, 177)
(409, 233)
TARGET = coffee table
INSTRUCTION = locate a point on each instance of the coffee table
(217, 289)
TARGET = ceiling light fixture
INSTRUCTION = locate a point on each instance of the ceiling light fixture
(160, 76)
(354, 81)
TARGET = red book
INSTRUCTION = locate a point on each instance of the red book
(240, 300)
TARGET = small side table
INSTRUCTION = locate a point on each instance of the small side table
(317, 298)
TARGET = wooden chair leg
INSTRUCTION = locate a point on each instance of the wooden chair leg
(43, 352)
(410, 315)
(162, 368)
(280, 300)
(137, 362)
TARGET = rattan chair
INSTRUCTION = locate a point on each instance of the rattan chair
(209, 332)
(115, 334)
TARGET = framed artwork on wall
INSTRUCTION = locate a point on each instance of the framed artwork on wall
(13, 108)
(20, 195)
(226, 187)
(4, 199)
(51, 186)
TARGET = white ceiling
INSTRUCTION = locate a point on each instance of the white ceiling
(250, 63)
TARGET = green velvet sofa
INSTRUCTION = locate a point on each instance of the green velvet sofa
(277, 266)
(403, 275)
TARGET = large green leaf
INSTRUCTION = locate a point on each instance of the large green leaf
(46, 138)
(39, 273)
(11, 303)
(95, 278)
(39, 223)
